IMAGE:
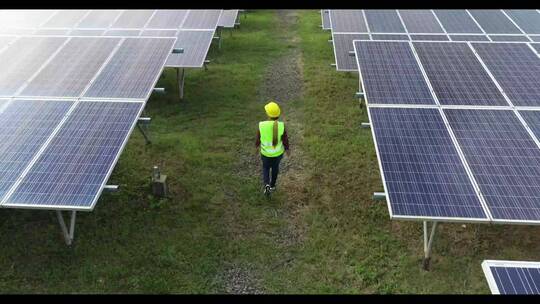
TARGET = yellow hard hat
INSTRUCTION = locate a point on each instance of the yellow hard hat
(272, 109)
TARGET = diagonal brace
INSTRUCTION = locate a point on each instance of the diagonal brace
(68, 234)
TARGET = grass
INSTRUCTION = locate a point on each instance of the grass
(321, 234)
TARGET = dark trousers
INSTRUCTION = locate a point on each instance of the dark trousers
(270, 163)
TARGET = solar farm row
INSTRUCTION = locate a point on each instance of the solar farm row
(456, 127)
(68, 106)
(194, 29)
(436, 25)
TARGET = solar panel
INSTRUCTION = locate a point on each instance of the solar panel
(52, 32)
(22, 59)
(202, 19)
(16, 31)
(77, 162)
(494, 22)
(456, 75)
(420, 21)
(65, 18)
(228, 18)
(509, 38)
(348, 21)
(325, 19)
(516, 68)
(512, 277)
(99, 19)
(468, 37)
(133, 19)
(159, 33)
(5, 40)
(389, 37)
(504, 160)
(429, 37)
(457, 21)
(535, 38)
(167, 19)
(384, 21)
(72, 68)
(25, 18)
(131, 72)
(343, 44)
(122, 33)
(422, 170)
(527, 20)
(24, 126)
(195, 45)
(84, 32)
(536, 47)
(391, 74)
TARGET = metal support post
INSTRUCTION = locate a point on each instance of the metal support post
(180, 75)
(205, 64)
(68, 234)
(144, 121)
(219, 29)
(428, 243)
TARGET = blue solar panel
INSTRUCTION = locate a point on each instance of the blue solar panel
(351, 21)
(384, 21)
(422, 170)
(457, 21)
(343, 44)
(420, 21)
(516, 68)
(536, 47)
(535, 38)
(456, 75)
(494, 22)
(527, 20)
(509, 38)
(429, 37)
(391, 73)
(131, 72)
(389, 37)
(504, 160)
(25, 125)
(469, 38)
(516, 280)
(71, 170)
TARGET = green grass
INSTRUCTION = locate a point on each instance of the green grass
(215, 218)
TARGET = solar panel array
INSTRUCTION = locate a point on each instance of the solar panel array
(456, 127)
(437, 25)
(195, 24)
(68, 107)
(228, 18)
(512, 277)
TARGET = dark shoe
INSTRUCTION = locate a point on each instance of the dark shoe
(267, 190)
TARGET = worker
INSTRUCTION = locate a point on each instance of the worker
(273, 141)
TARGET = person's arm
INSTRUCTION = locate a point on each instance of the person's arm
(258, 139)
(285, 140)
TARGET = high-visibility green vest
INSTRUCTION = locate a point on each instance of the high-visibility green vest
(266, 129)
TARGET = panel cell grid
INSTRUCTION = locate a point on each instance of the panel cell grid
(517, 280)
(527, 20)
(167, 19)
(423, 172)
(343, 44)
(99, 19)
(429, 38)
(22, 59)
(133, 19)
(420, 21)
(536, 47)
(384, 21)
(195, 45)
(504, 160)
(202, 19)
(389, 37)
(516, 68)
(71, 170)
(24, 127)
(469, 38)
(391, 74)
(456, 75)
(65, 18)
(348, 21)
(131, 72)
(457, 21)
(494, 22)
(509, 38)
(72, 68)
(228, 18)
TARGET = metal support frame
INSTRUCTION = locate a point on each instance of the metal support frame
(142, 125)
(379, 196)
(218, 37)
(68, 234)
(205, 64)
(365, 125)
(180, 76)
(428, 243)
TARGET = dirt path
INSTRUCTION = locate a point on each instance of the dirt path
(283, 82)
